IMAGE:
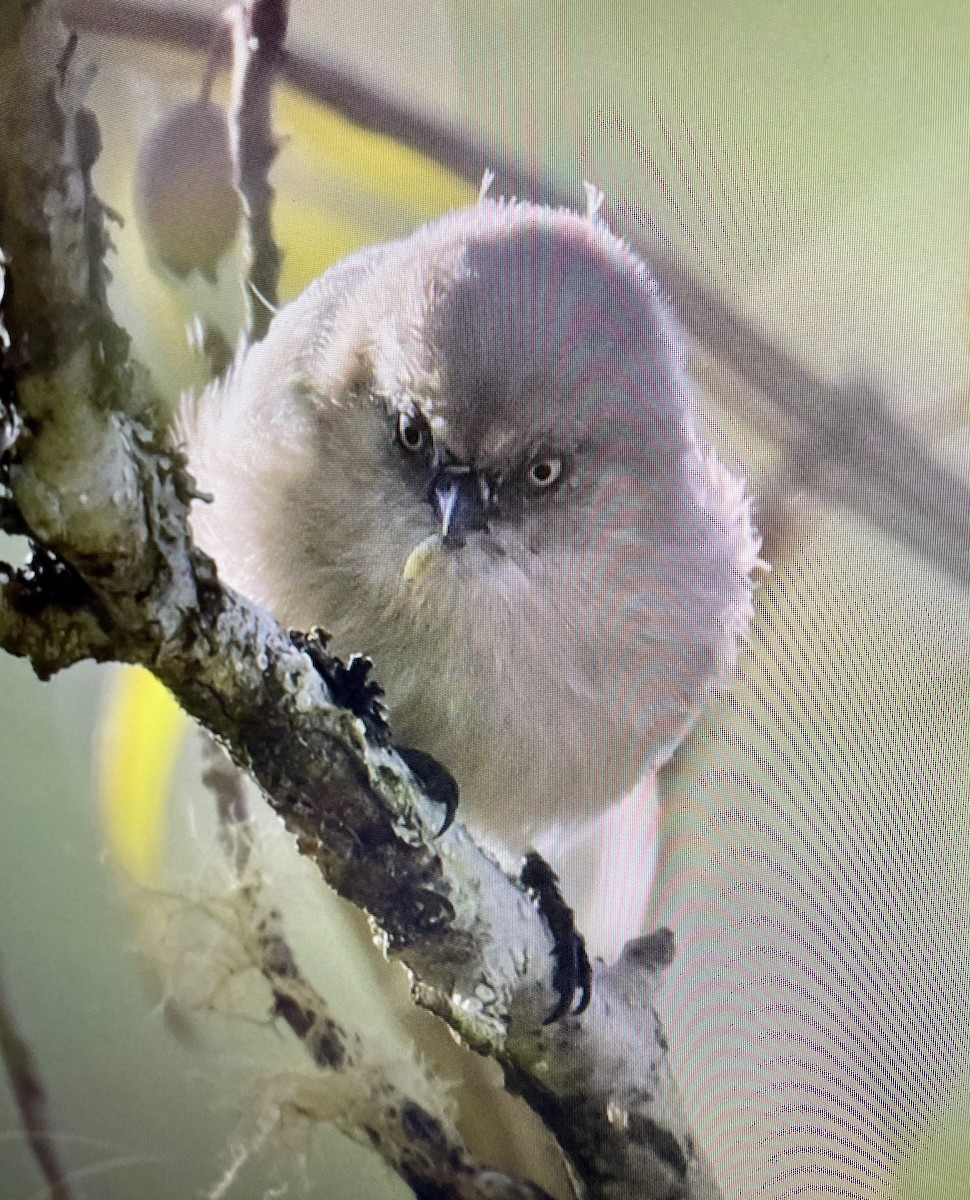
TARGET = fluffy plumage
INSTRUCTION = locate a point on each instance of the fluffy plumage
(556, 658)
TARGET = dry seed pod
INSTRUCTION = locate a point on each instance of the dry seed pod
(187, 208)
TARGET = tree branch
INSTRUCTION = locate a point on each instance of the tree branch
(104, 493)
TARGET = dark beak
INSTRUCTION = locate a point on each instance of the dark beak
(458, 495)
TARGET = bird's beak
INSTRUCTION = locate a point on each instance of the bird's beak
(458, 495)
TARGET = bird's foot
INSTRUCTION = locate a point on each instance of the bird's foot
(436, 781)
(352, 688)
(349, 682)
(573, 972)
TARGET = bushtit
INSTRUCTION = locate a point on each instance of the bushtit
(471, 455)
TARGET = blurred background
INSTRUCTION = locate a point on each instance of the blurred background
(808, 167)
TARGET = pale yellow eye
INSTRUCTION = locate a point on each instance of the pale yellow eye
(413, 433)
(544, 472)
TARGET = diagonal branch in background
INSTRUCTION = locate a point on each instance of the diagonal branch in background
(105, 498)
(839, 440)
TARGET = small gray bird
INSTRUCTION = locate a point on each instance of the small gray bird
(471, 454)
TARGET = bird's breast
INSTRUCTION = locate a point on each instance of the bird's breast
(483, 671)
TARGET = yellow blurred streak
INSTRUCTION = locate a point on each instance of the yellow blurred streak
(341, 188)
(140, 735)
(337, 149)
(323, 239)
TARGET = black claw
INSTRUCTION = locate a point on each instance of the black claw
(573, 972)
(437, 782)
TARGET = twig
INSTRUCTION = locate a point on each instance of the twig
(31, 1097)
(257, 29)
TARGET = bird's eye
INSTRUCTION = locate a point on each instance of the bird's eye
(412, 432)
(544, 472)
